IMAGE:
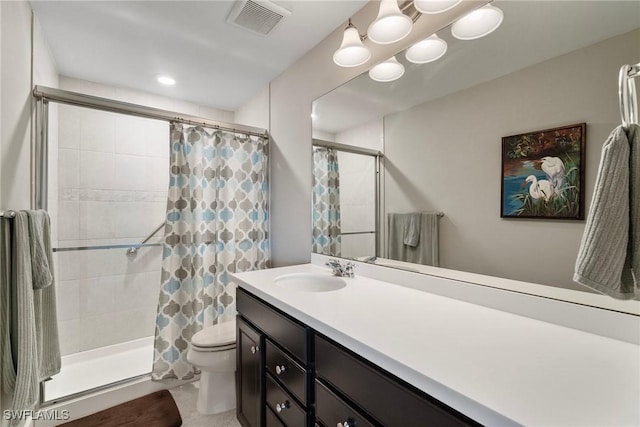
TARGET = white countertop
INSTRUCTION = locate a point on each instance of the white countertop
(496, 367)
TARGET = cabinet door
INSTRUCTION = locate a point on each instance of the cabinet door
(249, 375)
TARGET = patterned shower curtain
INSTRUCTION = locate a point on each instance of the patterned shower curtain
(217, 223)
(326, 237)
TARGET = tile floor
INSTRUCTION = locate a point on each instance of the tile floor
(185, 397)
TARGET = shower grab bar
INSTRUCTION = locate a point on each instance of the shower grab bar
(103, 247)
(132, 252)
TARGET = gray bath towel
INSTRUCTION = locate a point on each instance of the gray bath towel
(609, 256)
(426, 252)
(28, 324)
(44, 296)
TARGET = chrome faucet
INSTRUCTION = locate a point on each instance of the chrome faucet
(339, 269)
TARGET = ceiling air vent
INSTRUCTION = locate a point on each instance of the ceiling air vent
(258, 16)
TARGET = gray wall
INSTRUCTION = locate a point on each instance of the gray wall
(446, 154)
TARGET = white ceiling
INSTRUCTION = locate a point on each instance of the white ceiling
(130, 43)
(532, 31)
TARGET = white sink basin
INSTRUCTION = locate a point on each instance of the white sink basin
(310, 282)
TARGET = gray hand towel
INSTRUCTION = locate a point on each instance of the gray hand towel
(412, 229)
(609, 255)
(38, 232)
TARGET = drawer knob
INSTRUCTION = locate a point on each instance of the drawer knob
(254, 349)
(282, 406)
(280, 369)
(345, 424)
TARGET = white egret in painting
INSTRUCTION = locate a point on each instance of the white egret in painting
(540, 189)
(554, 168)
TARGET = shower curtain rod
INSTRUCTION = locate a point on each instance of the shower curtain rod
(98, 103)
(346, 148)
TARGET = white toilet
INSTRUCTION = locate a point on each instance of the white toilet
(213, 351)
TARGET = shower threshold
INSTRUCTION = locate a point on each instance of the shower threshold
(100, 367)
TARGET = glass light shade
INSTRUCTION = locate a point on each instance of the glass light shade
(391, 25)
(351, 52)
(427, 50)
(387, 71)
(435, 6)
(478, 23)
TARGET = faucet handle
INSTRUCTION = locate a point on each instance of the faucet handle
(348, 269)
(335, 266)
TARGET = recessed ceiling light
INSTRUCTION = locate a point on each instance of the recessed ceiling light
(166, 80)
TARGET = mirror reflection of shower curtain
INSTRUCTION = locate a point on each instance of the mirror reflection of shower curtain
(217, 223)
(326, 202)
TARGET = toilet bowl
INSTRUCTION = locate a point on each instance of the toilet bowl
(213, 351)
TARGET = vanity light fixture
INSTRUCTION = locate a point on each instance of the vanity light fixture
(166, 80)
(478, 23)
(391, 25)
(430, 7)
(351, 52)
(428, 50)
(387, 71)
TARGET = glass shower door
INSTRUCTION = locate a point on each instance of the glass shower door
(108, 180)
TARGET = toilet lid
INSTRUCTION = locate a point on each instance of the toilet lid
(219, 335)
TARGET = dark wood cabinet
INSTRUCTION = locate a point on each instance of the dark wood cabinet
(284, 372)
(299, 378)
(249, 377)
(385, 399)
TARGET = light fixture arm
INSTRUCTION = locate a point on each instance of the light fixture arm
(363, 37)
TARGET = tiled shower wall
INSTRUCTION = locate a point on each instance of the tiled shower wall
(112, 175)
(113, 179)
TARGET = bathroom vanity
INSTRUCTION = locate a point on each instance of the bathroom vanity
(376, 353)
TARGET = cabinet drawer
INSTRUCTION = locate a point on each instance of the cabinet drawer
(272, 420)
(380, 394)
(286, 332)
(284, 405)
(333, 411)
(286, 370)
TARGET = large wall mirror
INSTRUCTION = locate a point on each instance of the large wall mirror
(440, 126)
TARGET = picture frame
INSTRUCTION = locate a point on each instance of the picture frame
(543, 174)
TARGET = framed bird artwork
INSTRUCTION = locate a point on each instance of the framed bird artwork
(543, 174)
